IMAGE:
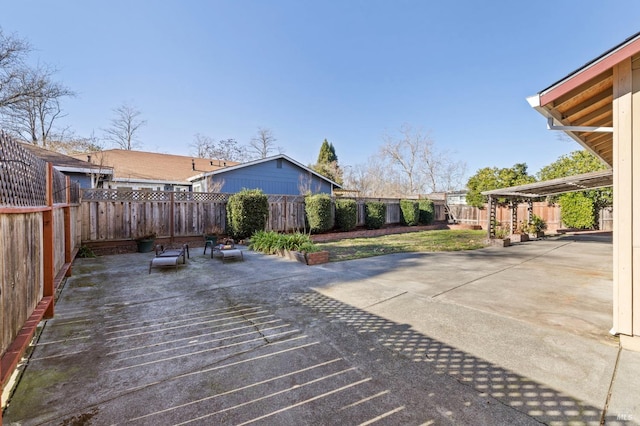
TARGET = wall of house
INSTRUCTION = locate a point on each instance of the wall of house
(81, 179)
(272, 177)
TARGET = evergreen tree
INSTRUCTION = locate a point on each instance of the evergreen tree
(327, 164)
(327, 153)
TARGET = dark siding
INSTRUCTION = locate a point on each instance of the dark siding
(81, 178)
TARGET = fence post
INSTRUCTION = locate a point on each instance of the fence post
(171, 215)
(67, 227)
(286, 220)
(48, 245)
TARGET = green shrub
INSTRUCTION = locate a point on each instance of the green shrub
(270, 242)
(537, 224)
(577, 210)
(410, 212)
(426, 212)
(375, 214)
(346, 214)
(247, 212)
(318, 210)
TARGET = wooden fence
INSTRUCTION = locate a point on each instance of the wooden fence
(550, 213)
(39, 236)
(111, 215)
(116, 215)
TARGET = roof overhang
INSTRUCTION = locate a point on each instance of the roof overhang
(262, 160)
(583, 182)
(103, 171)
(584, 98)
(152, 181)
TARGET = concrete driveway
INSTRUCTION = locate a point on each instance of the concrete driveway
(515, 335)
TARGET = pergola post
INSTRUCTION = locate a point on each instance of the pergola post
(514, 217)
(529, 210)
(491, 218)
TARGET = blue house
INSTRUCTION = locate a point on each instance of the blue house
(278, 174)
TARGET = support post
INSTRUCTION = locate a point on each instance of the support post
(172, 201)
(491, 218)
(48, 245)
(67, 228)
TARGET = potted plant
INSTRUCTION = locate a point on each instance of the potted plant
(146, 242)
(501, 238)
(521, 233)
(536, 227)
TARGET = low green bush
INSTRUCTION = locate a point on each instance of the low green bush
(346, 214)
(426, 212)
(270, 242)
(375, 214)
(410, 212)
(247, 212)
(318, 209)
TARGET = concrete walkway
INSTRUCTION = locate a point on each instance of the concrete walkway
(498, 336)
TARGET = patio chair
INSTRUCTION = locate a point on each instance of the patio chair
(227, 250)
(169, 256)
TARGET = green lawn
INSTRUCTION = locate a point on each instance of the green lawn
(424, 241)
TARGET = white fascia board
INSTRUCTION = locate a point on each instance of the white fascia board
(262, 160)
(534, 101)
(151, 181)
(547, 114)
(83, 170)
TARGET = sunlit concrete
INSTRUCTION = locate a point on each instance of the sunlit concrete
(515, 335)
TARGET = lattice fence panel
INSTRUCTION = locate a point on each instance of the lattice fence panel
(22, 175)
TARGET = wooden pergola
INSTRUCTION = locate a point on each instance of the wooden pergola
(531, 191)
(598, 105)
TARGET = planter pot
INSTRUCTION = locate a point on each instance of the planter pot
(538, 234)
(315, 258)
(519, 238)
(145, 246)
(500, 242)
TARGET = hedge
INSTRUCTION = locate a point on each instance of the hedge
(318, 210)
(375, 214)
(346, 214)
(426, 211)
(247, 212)
(410, 212)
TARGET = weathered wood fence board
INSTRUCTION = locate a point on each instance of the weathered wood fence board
(39, 233)
(22, 281)
(110, 215)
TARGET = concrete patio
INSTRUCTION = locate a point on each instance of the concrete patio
(511, 336)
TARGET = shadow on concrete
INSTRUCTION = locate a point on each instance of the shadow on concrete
(252, 342)
(534, 399)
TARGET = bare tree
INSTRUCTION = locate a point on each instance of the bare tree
(202, 146)
(224, 149)
(125, 126)
(263, 143)
(305, 184)
(32, 118)
(69, 143)
(418, 164)
(13, 52)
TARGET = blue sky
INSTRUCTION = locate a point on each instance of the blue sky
(347, 71)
